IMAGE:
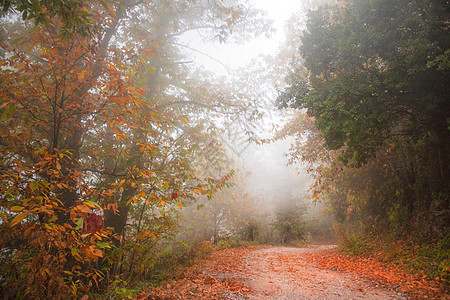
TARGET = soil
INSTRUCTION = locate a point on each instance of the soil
(286, 273)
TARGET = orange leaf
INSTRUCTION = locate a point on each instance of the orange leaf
(82, 209)
(18, 219)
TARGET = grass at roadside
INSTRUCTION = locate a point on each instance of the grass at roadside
(208, 277)
(170, 265)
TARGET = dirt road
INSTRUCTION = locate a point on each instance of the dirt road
(314, 272)
(286, 273)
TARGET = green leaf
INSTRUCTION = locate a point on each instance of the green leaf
(103, 245)
(17, 40)
(92, 204)
(45, 184)
(67, 152)
(79, 223)
(34, 185)
(9, 112)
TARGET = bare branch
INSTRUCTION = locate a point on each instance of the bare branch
(204, 54)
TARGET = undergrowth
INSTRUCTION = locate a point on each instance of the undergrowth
(171, 263)
(413, 253)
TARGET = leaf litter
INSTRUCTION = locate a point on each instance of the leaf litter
(315, 272)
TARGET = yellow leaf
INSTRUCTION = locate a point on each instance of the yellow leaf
(16, 208)
(179, 205)
(34, 185)
(163, 203)
(121, 182)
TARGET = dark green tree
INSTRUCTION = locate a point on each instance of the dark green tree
(377, 70)
(373, 75)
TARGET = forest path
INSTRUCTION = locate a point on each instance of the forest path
(288, 273)
(311, 272)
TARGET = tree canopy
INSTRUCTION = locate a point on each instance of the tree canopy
(377, 70)
(371, 87)
(106, 135)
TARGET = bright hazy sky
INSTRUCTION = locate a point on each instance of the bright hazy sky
(236, 55)
(256, 159)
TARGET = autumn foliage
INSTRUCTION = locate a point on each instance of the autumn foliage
(101, 139)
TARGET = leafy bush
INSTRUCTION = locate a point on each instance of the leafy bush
(289, 223)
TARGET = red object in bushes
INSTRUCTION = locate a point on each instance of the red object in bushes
(93, 223)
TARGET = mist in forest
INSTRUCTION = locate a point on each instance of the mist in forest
(271, 178)
(137, 133)
(275, 189)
